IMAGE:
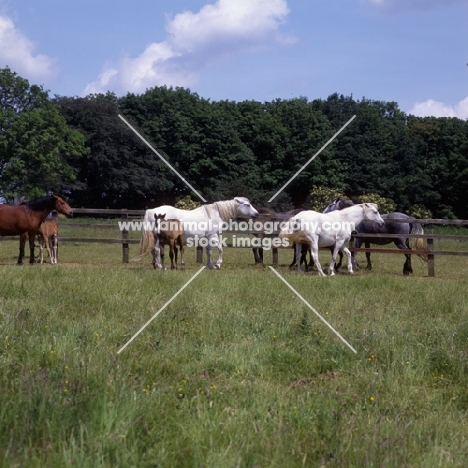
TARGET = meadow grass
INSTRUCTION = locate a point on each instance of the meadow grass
(236, 371)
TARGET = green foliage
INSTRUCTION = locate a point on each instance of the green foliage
(120, 170)
(419, 211)
(321, 197)
(187, 203)
(37, 146)
(385, 204)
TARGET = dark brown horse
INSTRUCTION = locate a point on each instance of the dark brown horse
(25, 219)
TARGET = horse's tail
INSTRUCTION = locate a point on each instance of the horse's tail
(417, 243)
(146, 245)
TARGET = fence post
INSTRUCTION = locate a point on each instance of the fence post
(125, 249)
(430, 256)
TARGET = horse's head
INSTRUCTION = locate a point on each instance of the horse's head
(332, 206)
(371, 213)
(338, 204)
(62, 206)
(245, 208)
(158, 217)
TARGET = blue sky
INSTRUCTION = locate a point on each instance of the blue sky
(414, 52)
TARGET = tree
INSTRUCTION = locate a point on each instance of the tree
(36, 145)
(119, 171)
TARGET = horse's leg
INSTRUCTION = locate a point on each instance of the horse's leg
(357, 244)
(255, 254)
(404, 244)
(209, 249)
(32, 238)
(172, 254)
(157, 254)
(218, 245)
(369, 264)
(340, 262)
(48, 244)
(21, 247)
(348, 254)
(182, 260)
(41, 241)
(304, 249)
(298, 255)
(314, 249)
(54, 242)
(340, 254)
(161, 252)
(311, 261)
(337, 249)
(294, 258)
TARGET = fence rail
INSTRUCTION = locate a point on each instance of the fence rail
(129, 215)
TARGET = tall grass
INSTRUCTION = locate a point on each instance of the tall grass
(236, 371)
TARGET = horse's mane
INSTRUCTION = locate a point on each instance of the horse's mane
(227, 209)
(41, 203)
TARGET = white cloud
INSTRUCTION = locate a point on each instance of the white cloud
(439, 109)
(195, 40)
(17, 52)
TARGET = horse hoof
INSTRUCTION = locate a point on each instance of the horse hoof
(218, 267)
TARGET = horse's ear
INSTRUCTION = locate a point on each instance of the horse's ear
(241, 200)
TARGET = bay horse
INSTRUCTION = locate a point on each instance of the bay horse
(389, 227)
(168, 232)
(24, 219)
(47, 237)
(329, 229)
(201, 225)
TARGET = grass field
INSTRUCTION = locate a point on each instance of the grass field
(236, 371)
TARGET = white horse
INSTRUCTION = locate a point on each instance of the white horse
(201, 227)
(328, 229)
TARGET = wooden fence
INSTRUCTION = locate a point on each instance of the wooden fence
(137, 215)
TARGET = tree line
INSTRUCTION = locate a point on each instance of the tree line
(80, 147)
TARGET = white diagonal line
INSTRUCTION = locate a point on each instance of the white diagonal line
(311, 159)
(161, 158)
(161, 309)
(312, 309)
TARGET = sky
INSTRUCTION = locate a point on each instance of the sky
(413, 52)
